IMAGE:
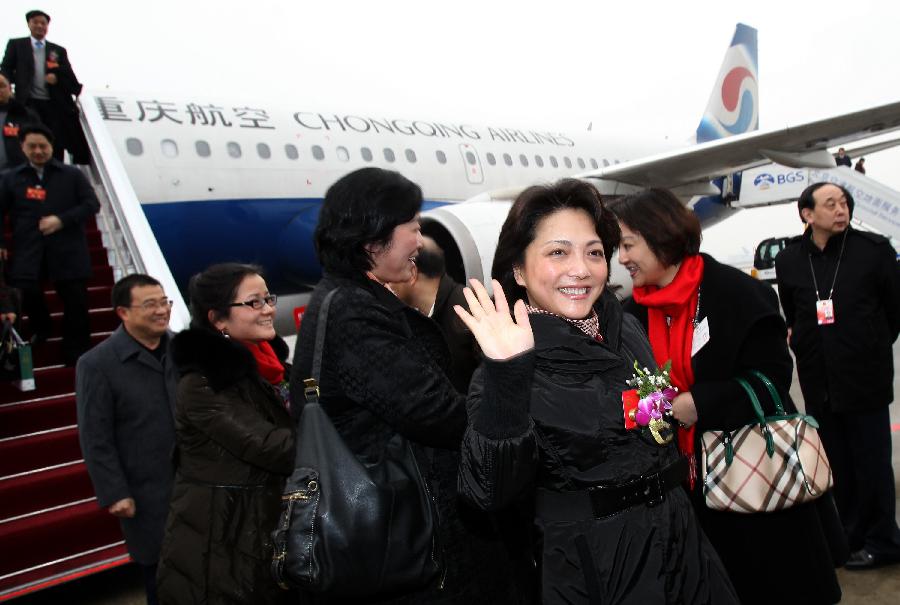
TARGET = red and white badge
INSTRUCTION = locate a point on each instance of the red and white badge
(825, 312)
(52, 65)
(38, 194)
(10, 130)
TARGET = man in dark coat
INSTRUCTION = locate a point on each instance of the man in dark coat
(840, 290)
(434, 293)
(45, 82)
(49, 204)
(125, 393)
(12, 116)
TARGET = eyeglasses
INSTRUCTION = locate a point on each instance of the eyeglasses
(257, 303)
(153, 305)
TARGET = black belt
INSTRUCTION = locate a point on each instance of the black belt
(603, 500)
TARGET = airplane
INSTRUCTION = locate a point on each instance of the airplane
(194, 181)
(223, 180)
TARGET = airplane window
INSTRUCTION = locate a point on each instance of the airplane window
(491, 159)
(410, 156)
(234, 150)
(169, 148)
(554, 162)
(539, 161)
(134, 146)
(441, 156)
(389, 154)
(470, 158)
(594, 164)
(318, 152)
(291, 152)
(507, 159)
(523, 160)
(567, 162)
(581, 164)
(342, 154)
(616, 161)
(605, 163)
(263, 150)
(366, 154)
(202, 149)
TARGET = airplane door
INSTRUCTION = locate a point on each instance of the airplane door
(472, 163)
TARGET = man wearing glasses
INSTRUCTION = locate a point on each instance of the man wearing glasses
(125, 394)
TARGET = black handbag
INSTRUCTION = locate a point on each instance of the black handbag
(350, 527)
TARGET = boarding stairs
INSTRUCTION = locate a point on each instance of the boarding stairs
(51, 528)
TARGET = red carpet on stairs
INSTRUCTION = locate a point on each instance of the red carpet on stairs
(51, 528)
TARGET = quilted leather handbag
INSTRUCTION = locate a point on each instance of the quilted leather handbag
(774, 463)
(350, 527)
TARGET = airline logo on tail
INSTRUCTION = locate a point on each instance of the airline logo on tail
(733, 106)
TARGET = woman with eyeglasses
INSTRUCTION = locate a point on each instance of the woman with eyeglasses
(385, 373)
(235, 444)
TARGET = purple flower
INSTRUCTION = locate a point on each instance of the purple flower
(642, 418)
(645, 409)
(670, 393)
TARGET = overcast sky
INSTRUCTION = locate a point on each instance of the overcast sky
(628, 66)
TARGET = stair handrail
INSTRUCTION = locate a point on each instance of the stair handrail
(139, 240)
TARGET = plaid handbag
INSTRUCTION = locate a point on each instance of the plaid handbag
(771, 464)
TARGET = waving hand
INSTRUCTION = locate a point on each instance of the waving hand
(498, 335)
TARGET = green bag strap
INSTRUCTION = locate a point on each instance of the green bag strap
(773, 392)
(770, 443)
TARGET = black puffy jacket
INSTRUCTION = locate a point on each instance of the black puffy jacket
(235, 444)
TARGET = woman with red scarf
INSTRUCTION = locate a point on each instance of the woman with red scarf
(235, 445)
(716, 323)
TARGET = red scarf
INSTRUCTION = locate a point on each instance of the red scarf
(672, 340)
(269, 366)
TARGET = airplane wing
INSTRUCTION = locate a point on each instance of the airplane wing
(689, 170)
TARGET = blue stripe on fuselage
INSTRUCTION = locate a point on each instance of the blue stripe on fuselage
(274, 233)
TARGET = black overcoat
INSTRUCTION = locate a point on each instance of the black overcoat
(761, 550)
(235, 449)
(69, 196)
(383, 373)
(17, 115)
(126, 399)
(850, 363)
(18, 63)
(558, 425)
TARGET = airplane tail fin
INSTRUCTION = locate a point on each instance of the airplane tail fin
(733, 106)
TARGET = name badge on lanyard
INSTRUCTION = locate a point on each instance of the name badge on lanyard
(701, 336)
(825, 312)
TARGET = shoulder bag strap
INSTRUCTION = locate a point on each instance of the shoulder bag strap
(770, 443)
(773, 392)
(311, 385)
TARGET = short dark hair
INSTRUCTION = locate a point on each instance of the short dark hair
(531, 207)
(121, 290)
(36, 13)
(430, 260)
(34, 128)
(360, 210)
(214, 290)
(806, 199)
(671, 230)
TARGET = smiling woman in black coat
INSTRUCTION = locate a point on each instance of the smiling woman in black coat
(235, 446)
(613, 524)
(776, 557)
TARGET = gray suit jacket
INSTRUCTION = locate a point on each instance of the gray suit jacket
(126, 402)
